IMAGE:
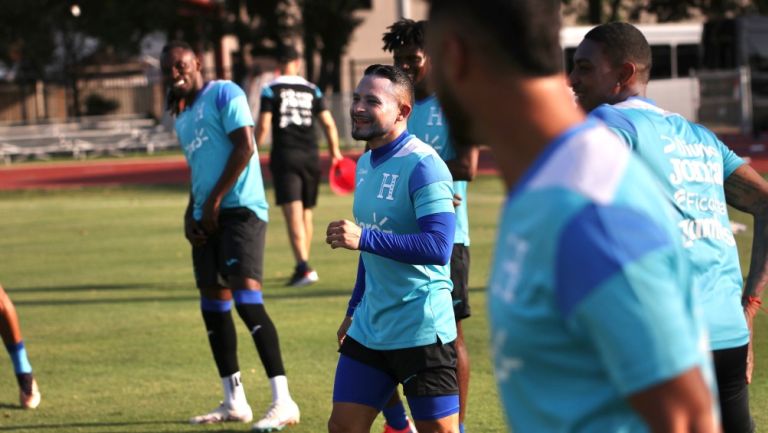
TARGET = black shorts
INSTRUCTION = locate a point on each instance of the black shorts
(237, 249)
(424, 370)
(460, 279)
(731, 372)
(295, 180)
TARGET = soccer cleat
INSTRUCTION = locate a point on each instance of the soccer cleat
(225, 413)
(409, 429)
(29, 393)
(300, 279)
(278, 416)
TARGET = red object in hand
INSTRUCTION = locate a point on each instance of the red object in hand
(342, 176)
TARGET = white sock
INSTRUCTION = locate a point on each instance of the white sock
(234, 392)
(279, 386)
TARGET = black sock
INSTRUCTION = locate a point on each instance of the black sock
(264, 335)
(223, 340)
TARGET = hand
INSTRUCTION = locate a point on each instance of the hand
(193, 232)
(751, 308)
(210, 219)
(343, 234)
(457, 199)
(336, 157)
(342, 332)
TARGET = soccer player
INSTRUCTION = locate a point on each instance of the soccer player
(402, 329)
(289, 104)
(225, 222)
(405, 40)
(593, 322)
(29, 394)
(700, 175)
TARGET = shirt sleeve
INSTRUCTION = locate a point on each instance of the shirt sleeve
(617, 286)
(267, 100)
(731, 161)
(359, 290)
(318, 103)
(618, 123)
(233, 106)
(431, 246)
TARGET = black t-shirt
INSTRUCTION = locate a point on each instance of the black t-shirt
(293, 102)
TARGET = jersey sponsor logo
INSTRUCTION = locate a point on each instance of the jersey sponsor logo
(705, 228)
(295, 108)
(196, 143)
(199, 112)
(435, 141)
(504, 285)
(699, 202)
(691, 150)
(389, 185)
(686, 170)
(377, 224)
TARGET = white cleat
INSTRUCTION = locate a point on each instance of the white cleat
(278, 416)
(225, 413)
(305, 279)
(31, 400)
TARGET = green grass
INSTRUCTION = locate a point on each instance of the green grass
(102, 281)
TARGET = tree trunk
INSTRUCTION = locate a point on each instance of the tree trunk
(595, 14)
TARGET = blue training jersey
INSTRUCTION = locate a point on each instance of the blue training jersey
(220, 108)
(427, 123)
(589, 294)
(692, 165)
(404, 305)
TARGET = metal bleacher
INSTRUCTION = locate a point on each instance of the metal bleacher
(87, 136)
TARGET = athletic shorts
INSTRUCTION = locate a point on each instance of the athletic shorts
(424, 371)
(731, 372)
(295, 180)
(237, 249)
(460, 279)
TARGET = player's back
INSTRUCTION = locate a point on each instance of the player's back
(589, 295)
(691, 164)
(293, 102)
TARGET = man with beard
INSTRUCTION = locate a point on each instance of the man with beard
(402, 330)
(593, 321)
(405, 40)
(700, 175)
(225, 222)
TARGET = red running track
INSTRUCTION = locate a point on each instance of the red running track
(156, 171)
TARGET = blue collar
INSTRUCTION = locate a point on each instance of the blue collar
(381, 154)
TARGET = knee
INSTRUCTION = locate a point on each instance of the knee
(336, 426)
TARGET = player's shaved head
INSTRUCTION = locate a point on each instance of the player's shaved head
(401, 83)
(523, 34)
(623, 43)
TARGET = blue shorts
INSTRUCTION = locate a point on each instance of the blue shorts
(428, 375)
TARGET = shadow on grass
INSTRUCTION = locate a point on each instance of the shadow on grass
(190, 295)
(100, 426)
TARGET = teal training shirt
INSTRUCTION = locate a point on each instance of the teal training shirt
(427, 123)
(589, 295)
(692, 165)
(404, 305)
(220, 108)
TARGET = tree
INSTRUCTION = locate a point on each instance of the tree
(328, 26)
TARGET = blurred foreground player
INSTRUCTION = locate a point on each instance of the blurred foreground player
(592, 317)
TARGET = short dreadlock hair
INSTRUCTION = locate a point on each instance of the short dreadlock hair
(404, 33)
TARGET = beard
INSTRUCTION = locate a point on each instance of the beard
(459, 121)
(368, 133)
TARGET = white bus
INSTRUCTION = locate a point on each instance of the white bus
(676, 51)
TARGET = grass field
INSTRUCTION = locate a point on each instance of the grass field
(103, 284)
